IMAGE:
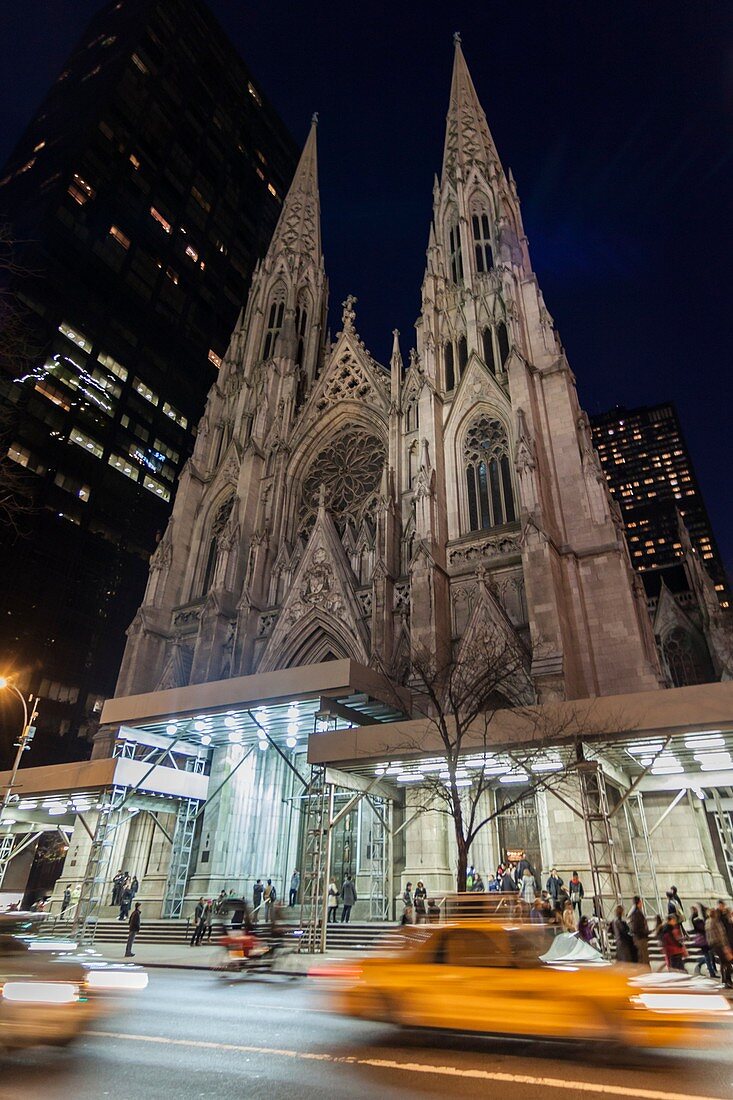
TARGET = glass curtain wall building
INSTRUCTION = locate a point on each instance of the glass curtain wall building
(144, 190)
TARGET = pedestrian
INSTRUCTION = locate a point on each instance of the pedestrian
(269, 896)
(117, 888)
(639, 928)
(522, 866)
(586, 931)
(420, 898)
(134, 927)
(568, 918)
(332, 902)
(478, 883)
(575, 888)
(198, 915)
(553, 885)
(526, 887)
(409, 903)
(469, 878)
(699, 939)
(348, 895)
(673, 944)
(219, 903)
(674, 905)
(716, 934)
(66, 900)
(208, 922)
(294, 887)
(125, 902)
(433, 911)
(625, 950)
(508, 884)
(257, 892)
(537, 912)
(134, 886)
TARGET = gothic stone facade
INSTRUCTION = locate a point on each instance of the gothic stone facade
(335, 507)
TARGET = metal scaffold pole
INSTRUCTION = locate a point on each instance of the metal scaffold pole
(96, 874)
(642, 857)
(601, 847)
(318, 796)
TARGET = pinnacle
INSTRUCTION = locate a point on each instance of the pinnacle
(299, 225)
(468, 139)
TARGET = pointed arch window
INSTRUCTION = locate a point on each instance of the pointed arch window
(462, 355)
(683, 660)
(502, 339)
(301, 323)
(488, 475)
(487, 340)
(455, 255)
(450, 371)
(274, 324)
(221, 518)
(482, 242)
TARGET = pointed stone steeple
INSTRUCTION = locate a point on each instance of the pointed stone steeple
(468, 140)
(299, 226)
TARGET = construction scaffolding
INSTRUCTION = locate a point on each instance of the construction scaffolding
(7, 843)
(642, 858)
(724, 827)
(316, 859)
(379, 855)
(604, 870)
(96, 873)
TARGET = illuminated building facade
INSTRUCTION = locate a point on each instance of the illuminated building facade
(147, 186)
(651, 476)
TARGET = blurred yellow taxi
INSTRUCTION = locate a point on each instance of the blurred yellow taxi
(522, 980)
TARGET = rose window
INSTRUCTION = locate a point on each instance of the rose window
(349, 468)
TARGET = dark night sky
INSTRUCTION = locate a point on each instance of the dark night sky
(616, 118)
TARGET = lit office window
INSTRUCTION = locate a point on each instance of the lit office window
(156, 487)
(145, 392)
(75, 336)
(123, 464)
(80, 190)
(174, 414)
(86, 442)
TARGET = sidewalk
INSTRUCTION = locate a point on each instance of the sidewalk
(184, 957)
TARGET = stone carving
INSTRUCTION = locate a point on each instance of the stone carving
(524, 453)
(496, 547)
(187, 618)
(265, 623)
(348, 317)
(346, 380)
(347, 473)
(161, 557)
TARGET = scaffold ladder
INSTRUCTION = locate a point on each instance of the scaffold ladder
(642, 856)
(316, 859)
(96, 875)
(7, 843)
(380, 864)
(601, 847)
(725, 834)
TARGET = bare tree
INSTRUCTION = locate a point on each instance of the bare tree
(461, 699)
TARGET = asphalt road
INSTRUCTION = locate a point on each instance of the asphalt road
(190, 1036)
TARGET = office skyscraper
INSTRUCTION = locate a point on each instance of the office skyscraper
(146, 187)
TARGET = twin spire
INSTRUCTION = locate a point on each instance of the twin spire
(468, 139)
(468, 142)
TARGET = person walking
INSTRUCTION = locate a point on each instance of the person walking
(269, 896)
(553, 885)
(716, 934)
(117, 888)
(198, 915)
(409, 904)
(674, 904)
(294, 887)
(134, 886)
(508, 884)
(333, 902)
(420, 898)
(568, 918)
(348, 896)
(526, 887)
(125, 902)
(639, 928)
(673, 944)
(257, 892)
(65, 901)
(699, 940)
(133, 926)
(576, 891)
(625, 951)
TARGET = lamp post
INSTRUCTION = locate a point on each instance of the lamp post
(26, 735)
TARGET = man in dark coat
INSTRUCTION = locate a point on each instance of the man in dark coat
(639, 927)
(508, 882)
(134, 927)
(348, 895)
(257, 893)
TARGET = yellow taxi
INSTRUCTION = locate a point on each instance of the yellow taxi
(522, 980)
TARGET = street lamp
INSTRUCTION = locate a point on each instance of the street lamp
(26, 735)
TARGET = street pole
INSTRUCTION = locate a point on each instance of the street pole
(26, 735)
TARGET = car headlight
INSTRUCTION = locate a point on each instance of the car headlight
(41, 993)
(127, 980)
(682, 1002)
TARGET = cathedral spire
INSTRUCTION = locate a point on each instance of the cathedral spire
(299, 225)
(468, 139)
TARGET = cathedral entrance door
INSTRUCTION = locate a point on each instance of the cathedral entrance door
(519, 831)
